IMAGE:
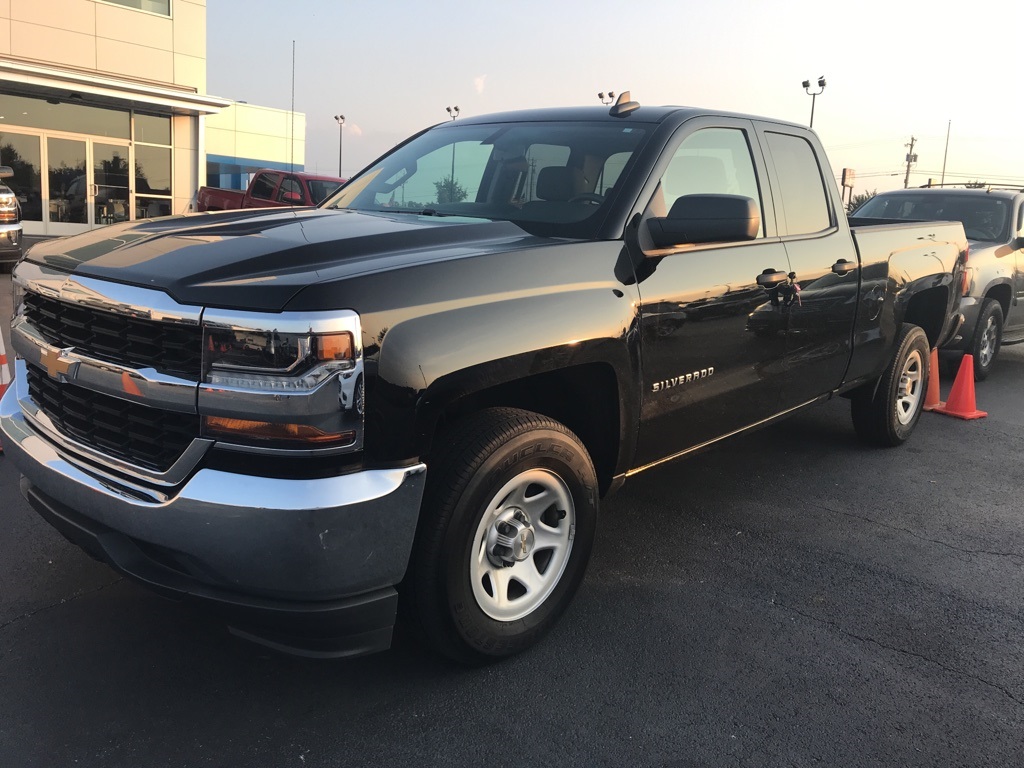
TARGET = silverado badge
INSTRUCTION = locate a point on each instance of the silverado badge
(683, 378)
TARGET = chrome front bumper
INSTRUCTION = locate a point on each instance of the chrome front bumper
(235, 540)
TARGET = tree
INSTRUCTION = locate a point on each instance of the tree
(449, 191)
(856, 201)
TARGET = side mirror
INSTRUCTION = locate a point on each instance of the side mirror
(698, 219)
(6, 172)
(293, 198)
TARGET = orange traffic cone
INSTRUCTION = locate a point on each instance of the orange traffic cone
(931, 397)
(5, 375)
(961, 398)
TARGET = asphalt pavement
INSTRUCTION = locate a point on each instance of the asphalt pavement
(790, 598)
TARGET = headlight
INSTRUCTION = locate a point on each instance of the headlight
(8, 207)
(282, 381)
(272, 359)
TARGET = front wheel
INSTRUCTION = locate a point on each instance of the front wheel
(886, 414)
(988, 336)
(509, 516)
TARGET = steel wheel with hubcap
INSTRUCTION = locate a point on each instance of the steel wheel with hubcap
(507, 526)
(886, 412)
(523, 544)
(911, 387)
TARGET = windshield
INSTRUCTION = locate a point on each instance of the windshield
(984, 217)
(552, 179)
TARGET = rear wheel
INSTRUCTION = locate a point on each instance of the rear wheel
(988, 336)
(887, 414)
(509, 516)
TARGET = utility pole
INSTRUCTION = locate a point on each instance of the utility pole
(911, 159)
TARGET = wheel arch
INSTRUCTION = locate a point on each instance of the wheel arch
(1002, 293)
(588, 396)
(928, 308)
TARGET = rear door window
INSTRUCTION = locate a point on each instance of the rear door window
(804, 201)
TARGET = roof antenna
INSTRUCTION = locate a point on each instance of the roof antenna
(623, 106)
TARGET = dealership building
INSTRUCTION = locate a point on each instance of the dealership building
(104, 115)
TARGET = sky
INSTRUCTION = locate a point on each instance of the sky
(893, 70)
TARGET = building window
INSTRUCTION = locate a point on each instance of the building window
(163, 7)
(153, 129)
(62, 114)
(22, 154)
(152, 166)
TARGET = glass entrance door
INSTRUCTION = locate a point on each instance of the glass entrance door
(68, 186)
(110, 171)
(88, 184)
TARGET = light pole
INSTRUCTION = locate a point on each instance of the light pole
(341, 139)
(606, 98)
(453, 112)
(815, 95)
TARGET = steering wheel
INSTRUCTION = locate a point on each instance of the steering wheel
(587, 197)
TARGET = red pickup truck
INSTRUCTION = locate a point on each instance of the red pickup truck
(270, 189)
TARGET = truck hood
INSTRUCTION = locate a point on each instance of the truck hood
(259, 260)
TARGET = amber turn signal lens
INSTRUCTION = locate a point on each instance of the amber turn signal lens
(265, 430)
(334, 346)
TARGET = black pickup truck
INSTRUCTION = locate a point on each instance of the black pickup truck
(411, 399)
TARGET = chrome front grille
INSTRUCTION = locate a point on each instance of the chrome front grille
(118, 338)
(144, 436)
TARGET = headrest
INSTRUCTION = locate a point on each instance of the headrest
(556, 182)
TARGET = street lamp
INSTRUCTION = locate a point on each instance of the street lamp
(606, 98)
(815, 95)
(453, 112)
(341, 139)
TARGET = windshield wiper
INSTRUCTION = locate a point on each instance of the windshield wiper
(414, 212)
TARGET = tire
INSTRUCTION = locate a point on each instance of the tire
(988, 337)
(885, 415)
(503, 477)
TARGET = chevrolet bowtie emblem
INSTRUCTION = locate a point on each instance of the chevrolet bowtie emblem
(57, 365)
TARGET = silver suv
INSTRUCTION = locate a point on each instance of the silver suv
(10, 222)
(993, 220)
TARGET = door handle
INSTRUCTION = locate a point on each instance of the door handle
(93, 190)
(843, 266)
(771, 277)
